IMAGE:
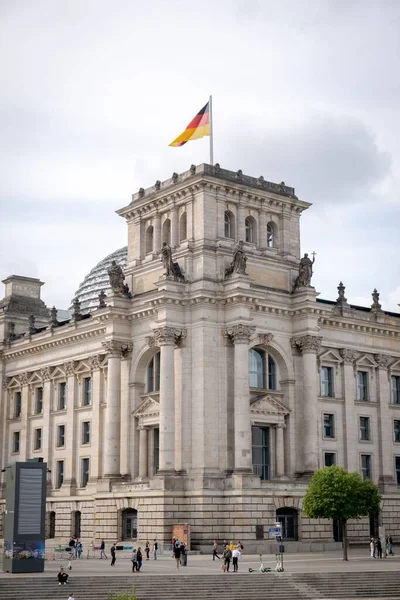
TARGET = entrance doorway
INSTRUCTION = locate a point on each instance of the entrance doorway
(129, 524)
(287, 517)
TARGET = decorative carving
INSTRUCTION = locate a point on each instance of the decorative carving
(238, 264)
(165, 336)
(192, 169)
(76, 310)
(239, 174)
(349, 356)
(265, 338)
(141, 192)
(53, 318)
(341, 300)
(260, 181)
(376, 306)
(157, 185)
(239, 333)
(102, 300)
(280, 426)
(69, 368)
(116, 348)
(172, 269)
(217, 168)
(175, 177)
(382, 360)
(95, 362)
(45, 373)
(307, 343)
(11, 335)
(116, 277)
(24, 378)
(303, 279)
(6, 382)
(151, 341)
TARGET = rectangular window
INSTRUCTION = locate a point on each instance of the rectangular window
(327, 382)
(87, 391)
(396, 430)
(59, 474)
(62, 395)
(17, 404)
(156, 450)
(86, 432)
(395, 381)
(329, 459)
(84, 472)
(38, 439)
(15, 445)
(397, 467)
(39, 400)
(364, 428)
(329, 426)
(60, 436)
(366, 466)
(362, 385)
(260, 452)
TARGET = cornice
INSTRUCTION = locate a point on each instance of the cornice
(373, 328)
(27, 347)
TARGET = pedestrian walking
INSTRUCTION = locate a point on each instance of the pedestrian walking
(215, 550)
(113, 551)
(379, 547)
(155, 549)
(183, 555)
(372, 548)
(147, 550)
(71, 596)
(139, 559)
(103, 549)
(235, 559)
(79, 549)
(389, 542)
(177, 553)
(134, 560)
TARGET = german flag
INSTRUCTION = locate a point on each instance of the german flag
(197, 128)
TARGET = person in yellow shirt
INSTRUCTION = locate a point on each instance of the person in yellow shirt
(231, 546)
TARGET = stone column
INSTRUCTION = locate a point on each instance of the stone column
(308, 345)
(47, 438)
(143, 458)
(95, 429)
(165, 339)
(262, 240)
(280, 450)
(24, 436)
(385, 420)
(350, 427)
(69, 453)
(126, 418)
(174, 227)
(111, 456)
(240, 226)
(240, 335)
(157, 233)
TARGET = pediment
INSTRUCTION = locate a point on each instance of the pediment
(149, 407)
(267, 405)
(82, 367)
(395, 365)
(35, 378)
(13, 382)
(366, 361)
(58, 373)
(330, 355)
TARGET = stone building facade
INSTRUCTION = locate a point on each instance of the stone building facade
(208, 398)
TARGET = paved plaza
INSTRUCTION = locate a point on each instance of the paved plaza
(359, 561)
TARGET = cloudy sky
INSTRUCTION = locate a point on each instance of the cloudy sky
(305, 91)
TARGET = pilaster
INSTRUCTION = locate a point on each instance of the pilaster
(386, 479)
(349, 426)
(24, 436)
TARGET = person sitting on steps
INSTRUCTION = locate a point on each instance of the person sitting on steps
(62, 577)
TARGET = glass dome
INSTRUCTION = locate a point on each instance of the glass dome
(97, 280)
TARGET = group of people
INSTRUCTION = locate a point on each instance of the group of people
(75, 547)
(231, 552)
(376, 548)
(137, 554)
(179, 552)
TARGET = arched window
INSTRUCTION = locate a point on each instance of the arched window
(271, 235)
(262, 370)
(251, 230)
(166, 231)
(149, 239)
(287, 517)
(77, 524)
(153, 374)
(183, 227)
(129, 524)
(229, 225)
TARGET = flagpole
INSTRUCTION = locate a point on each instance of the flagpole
(211, 134)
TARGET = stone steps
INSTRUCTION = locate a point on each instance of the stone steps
(243, 586)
